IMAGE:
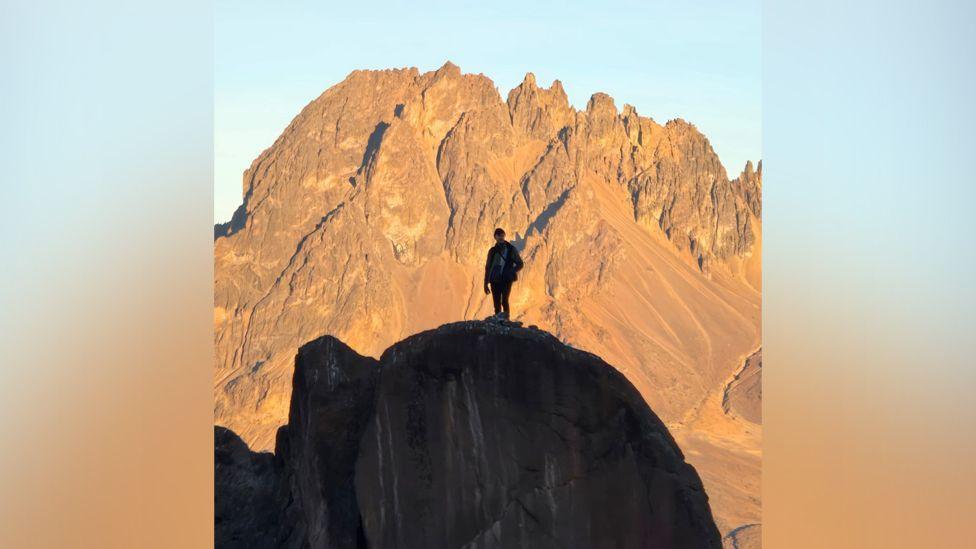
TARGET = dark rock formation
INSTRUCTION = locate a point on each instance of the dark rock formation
(471, 435)
(247, 497)
(333, 398)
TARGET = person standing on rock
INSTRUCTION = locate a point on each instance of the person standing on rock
(501, 270)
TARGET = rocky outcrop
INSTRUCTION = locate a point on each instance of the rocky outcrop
(749, 187)
(470, 435)
(743, 396)
(538, 113)
(745, 537)
(247, 494)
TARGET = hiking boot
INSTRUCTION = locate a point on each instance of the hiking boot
(503, 315)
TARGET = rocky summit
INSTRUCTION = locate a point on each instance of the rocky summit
(472, 435)
(370, 217)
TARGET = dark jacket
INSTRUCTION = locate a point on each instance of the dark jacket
(504, 267)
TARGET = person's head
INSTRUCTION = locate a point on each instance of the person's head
(499, 234)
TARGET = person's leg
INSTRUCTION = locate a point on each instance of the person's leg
(506, 290)
(496, 296)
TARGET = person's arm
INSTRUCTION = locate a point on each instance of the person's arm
(488, 267)
(517, 259)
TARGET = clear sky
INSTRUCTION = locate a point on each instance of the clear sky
(700, 61)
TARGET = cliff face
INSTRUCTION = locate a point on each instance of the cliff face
(370, 216)
(471, 435)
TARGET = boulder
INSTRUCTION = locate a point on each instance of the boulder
(476, 435)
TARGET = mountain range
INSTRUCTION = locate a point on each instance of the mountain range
(369, 219)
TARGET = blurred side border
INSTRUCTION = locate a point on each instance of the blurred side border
(869, 431)
(106, 229)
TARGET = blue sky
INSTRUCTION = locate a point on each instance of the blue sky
(699, 61)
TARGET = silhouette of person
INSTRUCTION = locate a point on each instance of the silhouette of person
(501, 269)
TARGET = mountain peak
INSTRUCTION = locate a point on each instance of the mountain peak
(601, 101)
(449, 67)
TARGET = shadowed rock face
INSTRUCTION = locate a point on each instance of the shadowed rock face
(470, 435)
(247, 496)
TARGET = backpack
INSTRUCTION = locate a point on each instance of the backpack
(507, 272)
